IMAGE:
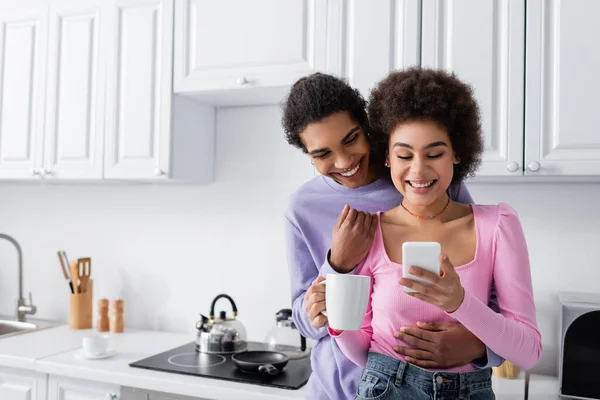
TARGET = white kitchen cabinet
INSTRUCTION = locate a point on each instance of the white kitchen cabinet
(62, 388)
(380, 36)
(86, 94)
(23, 45)
(139, 89)
(237, 45)
(163, 396)
(225, 49)
(51, 89)
(149, 133)
(562, 89)
(128, 393)
(16, 384)
(483, 42)
(74, 117)
(126, 89)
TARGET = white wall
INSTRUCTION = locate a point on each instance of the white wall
(169, 249)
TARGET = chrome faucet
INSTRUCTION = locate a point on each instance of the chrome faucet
(22, 308)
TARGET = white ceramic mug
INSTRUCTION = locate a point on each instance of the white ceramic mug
(95, 345)
(346, 298)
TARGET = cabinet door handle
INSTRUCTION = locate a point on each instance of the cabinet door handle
(159, 172)
(242, 81)
(35, 172)
(534, 166)
(111, 396)
(46, 172)
(512, 166)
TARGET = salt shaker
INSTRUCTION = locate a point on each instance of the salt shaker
(116, 322)
(102, 325)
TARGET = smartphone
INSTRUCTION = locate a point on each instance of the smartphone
(425, 255)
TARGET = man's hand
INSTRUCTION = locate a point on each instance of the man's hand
(439, 345)
(314, 301)
(351, 239)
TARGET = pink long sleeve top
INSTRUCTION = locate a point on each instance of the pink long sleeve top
(501, 253)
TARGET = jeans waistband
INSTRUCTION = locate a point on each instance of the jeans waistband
(402, 370)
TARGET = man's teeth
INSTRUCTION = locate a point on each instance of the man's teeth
(351, 172)
(420, 185)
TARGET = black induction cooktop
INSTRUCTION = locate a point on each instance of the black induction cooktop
(187, 361)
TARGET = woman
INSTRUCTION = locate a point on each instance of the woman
(430, 123)
(327, 120)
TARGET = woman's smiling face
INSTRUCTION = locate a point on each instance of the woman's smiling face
(421, 160)
(339, 149)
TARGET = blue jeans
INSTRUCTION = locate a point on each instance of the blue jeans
(389, 378)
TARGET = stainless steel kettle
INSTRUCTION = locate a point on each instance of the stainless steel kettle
(221, 335)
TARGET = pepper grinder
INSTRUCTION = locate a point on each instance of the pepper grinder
(116, 322)
(102, 324)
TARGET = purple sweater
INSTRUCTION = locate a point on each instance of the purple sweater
(310, 218)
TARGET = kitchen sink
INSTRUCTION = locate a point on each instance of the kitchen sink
(7, 327)
(10, 327)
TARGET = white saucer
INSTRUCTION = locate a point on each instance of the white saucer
(109, 353)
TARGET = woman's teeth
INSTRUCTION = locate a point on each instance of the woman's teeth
(351, 172)
(421, 185)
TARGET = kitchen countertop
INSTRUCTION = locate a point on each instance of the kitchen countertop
(54, 351)
(543, 387)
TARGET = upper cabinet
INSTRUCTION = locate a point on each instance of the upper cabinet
(23, 47)
(483, 42)
(238, 52)
(127, 89)
(86, 94)
(562, 91)
(533, 69)
(150, 134)
(138, 105)
(76, 71)
(223, 48)
(379, 37)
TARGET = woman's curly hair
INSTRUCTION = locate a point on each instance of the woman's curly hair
(425, 94)
(316, 97)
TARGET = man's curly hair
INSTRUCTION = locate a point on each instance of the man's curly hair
(418, 94)
(316, 97)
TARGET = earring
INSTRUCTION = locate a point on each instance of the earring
(387, 164)
(312, 163)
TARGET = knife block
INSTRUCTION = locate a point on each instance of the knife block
(80, 308)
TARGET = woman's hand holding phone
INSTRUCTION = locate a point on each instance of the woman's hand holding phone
(441, 290)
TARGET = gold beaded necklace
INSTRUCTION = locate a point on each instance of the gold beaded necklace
(427, 216)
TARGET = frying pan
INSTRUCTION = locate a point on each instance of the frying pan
(265, 362)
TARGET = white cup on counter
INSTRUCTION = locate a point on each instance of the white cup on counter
(95, 345)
